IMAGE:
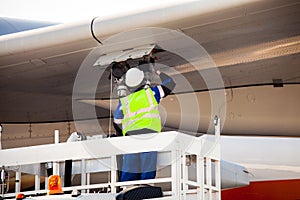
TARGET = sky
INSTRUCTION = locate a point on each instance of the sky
(71, 10)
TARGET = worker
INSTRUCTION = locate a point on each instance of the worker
(138, 113)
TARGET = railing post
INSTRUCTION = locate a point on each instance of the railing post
(217, 123)
(18, 180)
(83, 174)
(113, 174)
(176, 171)
(56, 164)
(209, 178)
(200, 177)
(218, 178)
(37, 180)
(184, 175)
(88, 181)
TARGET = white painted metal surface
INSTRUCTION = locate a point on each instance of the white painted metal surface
(266, 158)
(205, 148)
(103, 28)
(123, 55)
(56, 164)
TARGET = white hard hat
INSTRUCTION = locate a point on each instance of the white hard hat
(134, 77)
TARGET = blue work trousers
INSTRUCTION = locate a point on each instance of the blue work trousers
(139, 166)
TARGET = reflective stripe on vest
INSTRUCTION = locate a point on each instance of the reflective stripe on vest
(140, 111)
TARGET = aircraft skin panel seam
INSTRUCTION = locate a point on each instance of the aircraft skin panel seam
(238, 86)
(92, 30)
(227, 87)
(52, 121)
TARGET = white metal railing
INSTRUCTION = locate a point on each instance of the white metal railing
(173, 147)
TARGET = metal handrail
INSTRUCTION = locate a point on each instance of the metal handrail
(178, 144)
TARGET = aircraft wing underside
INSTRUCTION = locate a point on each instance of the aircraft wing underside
(253, 47)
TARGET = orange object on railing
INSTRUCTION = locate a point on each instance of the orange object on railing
(20, 196)
(54, 185)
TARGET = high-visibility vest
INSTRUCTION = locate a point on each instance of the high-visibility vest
(140, 111)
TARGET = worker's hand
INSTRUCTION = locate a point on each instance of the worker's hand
(158, 72)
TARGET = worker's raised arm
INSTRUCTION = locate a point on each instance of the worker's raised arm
(167, 84)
